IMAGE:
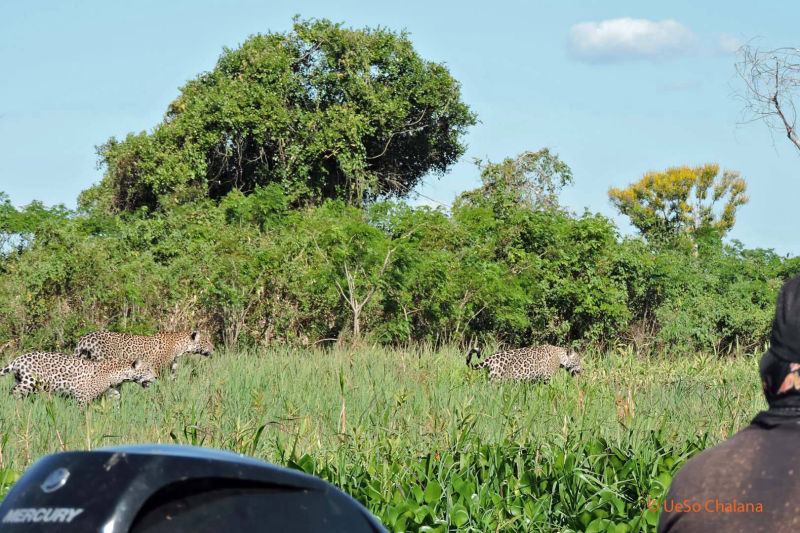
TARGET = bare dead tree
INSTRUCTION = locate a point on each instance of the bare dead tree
(351, 296)
(772, 80)
(356, 304)
(353, 274)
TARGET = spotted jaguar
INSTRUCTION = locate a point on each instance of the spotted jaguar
(534, 363)
(160, 351)
(72, 376)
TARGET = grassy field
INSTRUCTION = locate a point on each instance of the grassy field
(424, 442)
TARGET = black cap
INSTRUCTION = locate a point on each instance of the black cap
(785, 338)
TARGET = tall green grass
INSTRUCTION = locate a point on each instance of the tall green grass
(423, 441)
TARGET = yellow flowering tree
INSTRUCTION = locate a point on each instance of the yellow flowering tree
(682, 201)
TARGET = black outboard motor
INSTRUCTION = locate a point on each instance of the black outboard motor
(165, 488)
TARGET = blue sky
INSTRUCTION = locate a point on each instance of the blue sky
(615, 88)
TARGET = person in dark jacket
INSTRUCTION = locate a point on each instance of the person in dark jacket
(751, 482)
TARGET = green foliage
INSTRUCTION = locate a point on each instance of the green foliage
(324, 111)
(260, 209)
(588, 485)
(681, 201)
(532, 180)
(425, 442)
(256, 271)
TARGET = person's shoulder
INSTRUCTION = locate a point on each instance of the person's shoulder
(712, 458)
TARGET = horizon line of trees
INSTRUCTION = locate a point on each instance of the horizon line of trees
(507, 264)
(267, 207)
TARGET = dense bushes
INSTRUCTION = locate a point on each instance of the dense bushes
(255, 272)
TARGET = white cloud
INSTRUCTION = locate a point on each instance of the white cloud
(727, 44)
(627, 39)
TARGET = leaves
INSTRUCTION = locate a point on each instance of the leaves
(682, 200)
(532, 180)
(584, 492)
(256, 271)
(323, 111)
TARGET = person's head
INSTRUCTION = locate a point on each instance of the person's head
(780, 365)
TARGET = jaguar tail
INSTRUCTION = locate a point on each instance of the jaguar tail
(7, 369)
(477, 352)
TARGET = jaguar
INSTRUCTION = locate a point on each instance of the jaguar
(73, 376)
(161, 350)
(534, 363)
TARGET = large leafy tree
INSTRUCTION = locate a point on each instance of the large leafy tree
(682, 201)
(325, 111)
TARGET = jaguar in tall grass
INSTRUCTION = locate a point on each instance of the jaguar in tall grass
(160, 351)
(534, 363)
(72, 376)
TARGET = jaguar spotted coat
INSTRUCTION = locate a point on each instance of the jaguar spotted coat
(73, 376)
(535, 363)
(160, 351)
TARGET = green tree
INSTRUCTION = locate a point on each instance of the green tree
(532, 180)
(355, 254)
(325, 111)
(682, 201)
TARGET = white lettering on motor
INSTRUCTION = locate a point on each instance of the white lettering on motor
(41, 514)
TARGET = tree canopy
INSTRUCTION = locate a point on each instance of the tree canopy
(681, 201)
(532, 180)
(324, 111)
